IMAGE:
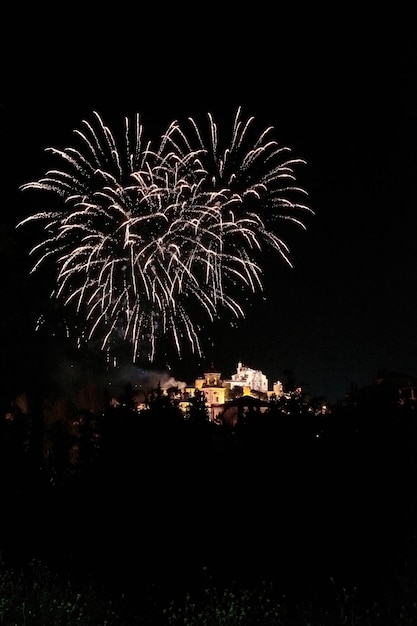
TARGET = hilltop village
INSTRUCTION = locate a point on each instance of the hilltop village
(246, 383)
(246, 388)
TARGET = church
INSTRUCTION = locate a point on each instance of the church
(222, 395)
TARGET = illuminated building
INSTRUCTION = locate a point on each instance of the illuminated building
(214, 390)
(248, 378)
(253, 383)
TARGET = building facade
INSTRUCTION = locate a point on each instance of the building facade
(248, 378)
(251, 382)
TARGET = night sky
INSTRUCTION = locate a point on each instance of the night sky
(346, 102)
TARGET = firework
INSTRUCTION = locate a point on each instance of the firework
(146, 239)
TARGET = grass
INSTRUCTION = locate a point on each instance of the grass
(264, 607)
(33, 596)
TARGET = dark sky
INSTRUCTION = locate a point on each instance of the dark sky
(343, 99)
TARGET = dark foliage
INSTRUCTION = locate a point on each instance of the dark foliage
(144, 503)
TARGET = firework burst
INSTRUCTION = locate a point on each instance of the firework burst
(142, 234)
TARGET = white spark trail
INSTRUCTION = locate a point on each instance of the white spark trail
(146, 240)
